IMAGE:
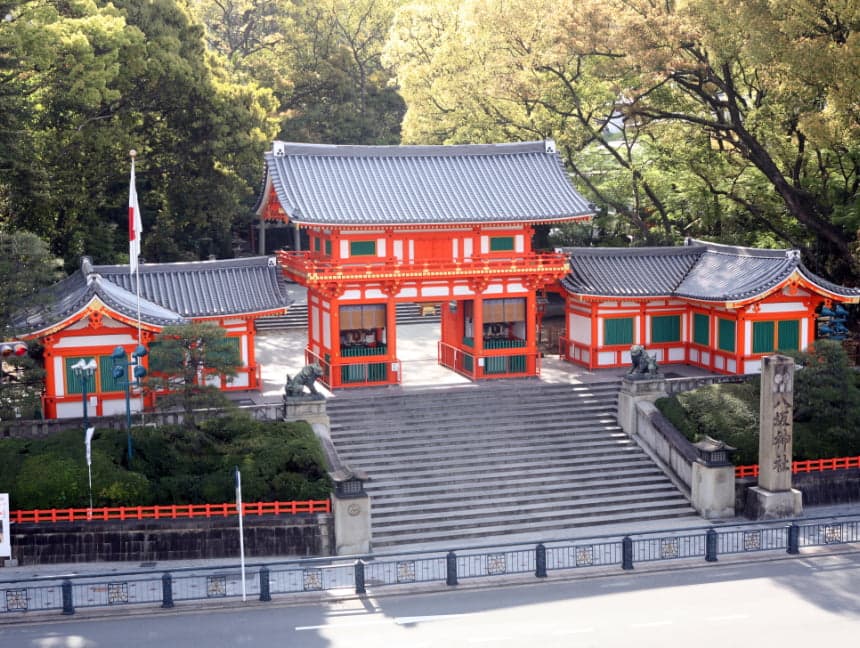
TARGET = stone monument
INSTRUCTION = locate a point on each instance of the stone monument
(774, 497)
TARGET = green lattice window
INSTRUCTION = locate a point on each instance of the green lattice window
(701, 329)
(328, 247)
(788, 335)
(726, 335)
(666, 328)
(362, 248)
(618, 330)
(74, 383)
(501, 243)
(763, 337)
(106, 380)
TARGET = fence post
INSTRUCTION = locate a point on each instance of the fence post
(68, 604)
(627, 553)
(359, 577)
(166, 590)
(540, 561)
(711, 546)
(793, 539)
(451, 565)
(265, 592)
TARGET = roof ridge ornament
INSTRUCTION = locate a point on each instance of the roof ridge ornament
(794, 255)
(86, 266)
(549, 145)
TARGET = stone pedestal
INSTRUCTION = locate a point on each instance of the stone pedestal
(633, 390)
(305, 409)
(351, 525)
(763, 504)
(713, 491)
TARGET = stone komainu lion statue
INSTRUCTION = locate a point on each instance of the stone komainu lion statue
(643, 363)
(308, 375)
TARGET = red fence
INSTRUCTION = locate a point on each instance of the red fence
(809, 465)
(170, 512)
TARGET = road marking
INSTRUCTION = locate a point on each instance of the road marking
(380, 621)
(348, 624)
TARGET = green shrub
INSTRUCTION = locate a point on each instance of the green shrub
(170, 465)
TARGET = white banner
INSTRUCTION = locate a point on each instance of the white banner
(5, 539)
(88, 440)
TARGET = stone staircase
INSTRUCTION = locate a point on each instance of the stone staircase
(297, 317)
(497, 458)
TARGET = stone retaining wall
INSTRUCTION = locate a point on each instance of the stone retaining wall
(155, 540)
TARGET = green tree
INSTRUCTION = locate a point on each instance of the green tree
(81, 83)
(182, 361)
(698, 117)
(321, 59)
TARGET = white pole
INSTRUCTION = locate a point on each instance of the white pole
(241, 528)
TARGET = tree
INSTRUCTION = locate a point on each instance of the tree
(719, 118)
(81, 83)
(26, 268)
(182, 361)
(321, 60)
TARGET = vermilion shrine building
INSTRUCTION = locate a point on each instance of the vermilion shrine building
(95, 309)
(713, 306)
(449, 226)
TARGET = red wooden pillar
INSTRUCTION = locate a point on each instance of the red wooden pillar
(478, 334)
(391, 338)
(531, 331)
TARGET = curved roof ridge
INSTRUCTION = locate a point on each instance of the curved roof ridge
(742, 250)
(281, 148)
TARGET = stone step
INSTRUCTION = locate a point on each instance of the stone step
(573, 464)
(551, 482)
(558, 431)
(484, 527)
(453, 510)
(418, 507)
(297, 317)
(518, 456)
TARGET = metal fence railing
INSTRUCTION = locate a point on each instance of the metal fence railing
(358, 573)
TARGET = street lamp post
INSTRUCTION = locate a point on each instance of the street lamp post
(84, 370)
(120, 365)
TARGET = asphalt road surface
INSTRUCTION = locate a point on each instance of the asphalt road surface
(805, 601)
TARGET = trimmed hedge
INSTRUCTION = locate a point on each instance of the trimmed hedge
(826, 409)
(170, 465)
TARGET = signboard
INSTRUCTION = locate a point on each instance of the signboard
(5, 538)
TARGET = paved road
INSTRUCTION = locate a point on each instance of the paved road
(799, 602)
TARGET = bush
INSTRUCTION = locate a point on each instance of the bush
(826, 409)
(170, 465)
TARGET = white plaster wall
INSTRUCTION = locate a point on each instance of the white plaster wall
(676, 354)
(344, 249)
(783, 307)
(435, 291)
(519, 243)
(59, 377)
(579, 328)
(605, 358)
(467, 248)
(326, 329)
(398, 249)
(73, 342)
(380, 247)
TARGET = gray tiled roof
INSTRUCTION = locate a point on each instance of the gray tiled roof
(698, 270)
(343, 185)
(207, 288)
(170, 293)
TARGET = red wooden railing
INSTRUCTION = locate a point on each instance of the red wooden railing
(170, 511)
(808, 465)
